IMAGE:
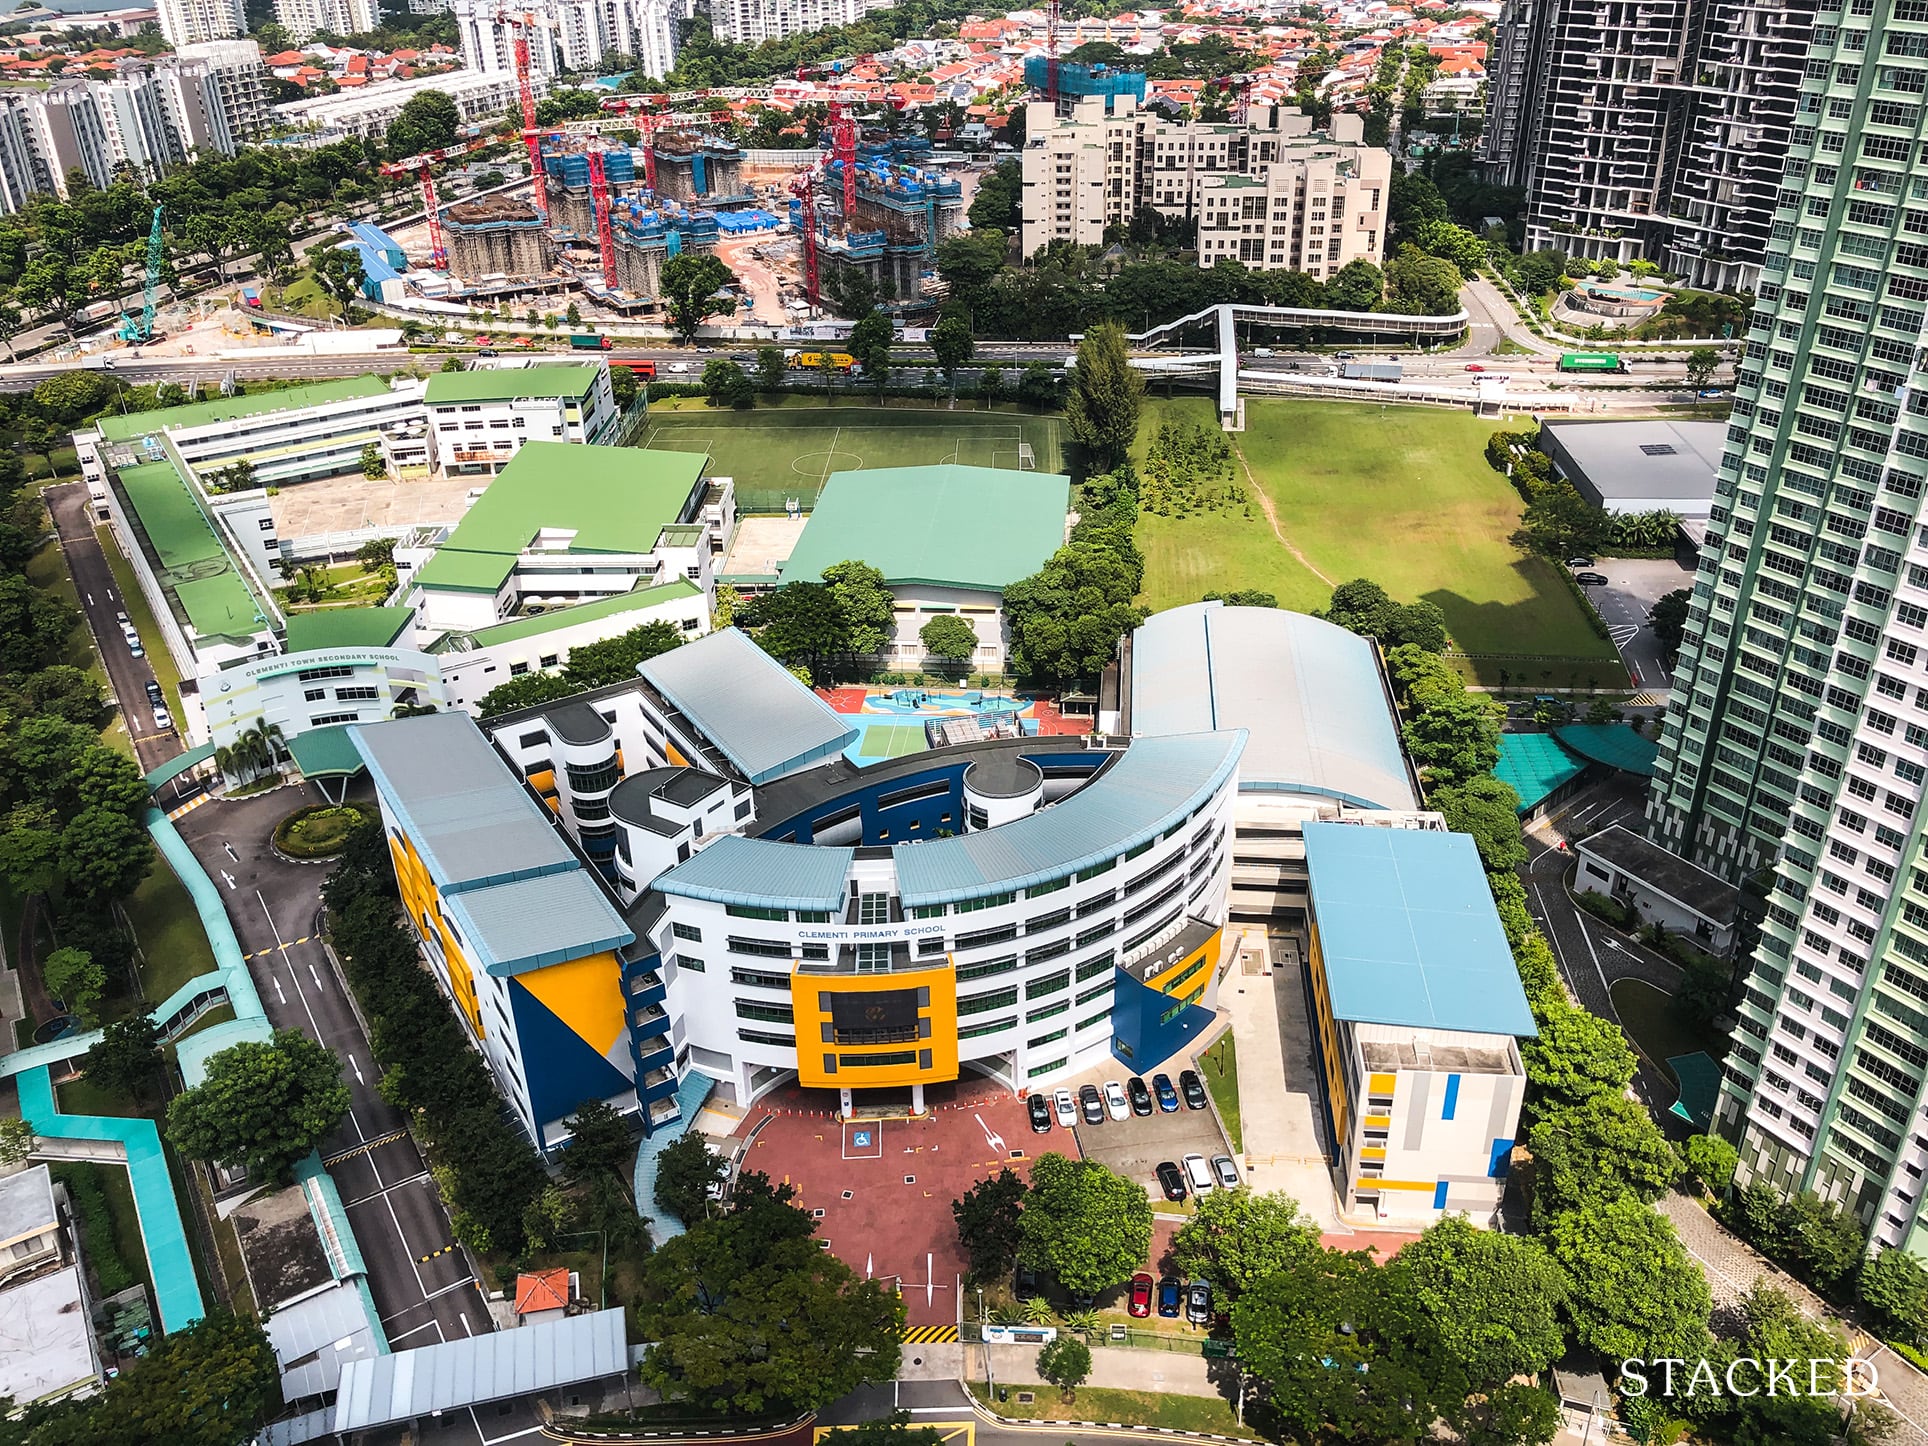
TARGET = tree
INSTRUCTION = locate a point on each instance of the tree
(1362, 606)
(1602, 1149)
(1894, 1286)
(104, 854)
(376, 553)
(951, 342)
(1493, 1299)
(338, 270)
(72, 396)
(997, 206)
(1088, 1227)
(801, 622)
(623, 387)
(1710, 1160)
(531, 690)
(1702, 362)
(749, 1316)
(128, 1055)
(1633, 1289)
(1454, 243)
(988, 1217)
(1356, 286)
(428, 122)
(1065, 620)
(1236, 1238)
(771, 368)
(1668, 618)
(372, 465)
(615, 660)
(1420, 624)
(990, 384)
(1455, 738)
(892, 1430)
(599, 1143)
(74, 979)
(50, 283)
(971, 262)
(685, 1172)
(868, 606)
(949, 639)
(1560, 522)
(1489, 811)
(1106, 392)
(1421, 285)
(17, 1141)
(212, 1383)
(10, 322)
(572, 314)
(264, 1104)
(690, 284)
(1576, 1056)
(1038, 385)
(1065, 1361)
(869, 342)
(728, 384)
(1515, 1414)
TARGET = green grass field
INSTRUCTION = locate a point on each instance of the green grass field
(1402, 495)
(892, 740)
(778, 453)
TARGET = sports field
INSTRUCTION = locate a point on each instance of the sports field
(782, 454)
(1402, 495)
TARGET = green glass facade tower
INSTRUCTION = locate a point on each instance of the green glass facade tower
(1796, 742)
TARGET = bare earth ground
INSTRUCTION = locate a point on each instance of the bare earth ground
(344, 504)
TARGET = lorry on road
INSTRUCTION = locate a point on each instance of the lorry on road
(1373, 371)
(839, 361)
(589, 341)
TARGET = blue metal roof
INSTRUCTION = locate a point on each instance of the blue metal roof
(738, 870)
(1308, 692)
(748, 704)
(1156, 782)
(1408, 932)
(533, 923)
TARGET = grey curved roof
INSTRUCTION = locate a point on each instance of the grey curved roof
(748, 704)
(1308, 692)
(1152, 784)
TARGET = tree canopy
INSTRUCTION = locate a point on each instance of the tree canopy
(264, 1104)
(1632, 1289)
(690, 282)
(988, 1216)
(1083, 1224)
(1236, 1238)
(1101, 413)
(1494, 1299)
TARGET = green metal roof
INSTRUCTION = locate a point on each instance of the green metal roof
(947, 526)
(1614, 744)
(346, 628)
(228, 409)
(614, 499)
(1408, 933)
(193, 563)
(502, 384)
(326, 752)
(609, 607)
(1533, 765)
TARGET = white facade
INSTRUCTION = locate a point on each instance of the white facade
(917, 603)
(571, 36)
(478, 438)
(190, 22)
(303, 18)
(238, 81)
(299, 691)
(369, 110)
(1264, 191)
(751, 22)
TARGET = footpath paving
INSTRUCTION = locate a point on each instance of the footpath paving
(1733, 1268)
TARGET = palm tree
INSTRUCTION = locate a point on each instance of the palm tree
(224, 760)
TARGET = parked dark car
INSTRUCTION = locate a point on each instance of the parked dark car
(1027, 1282)
(1171, 1180)
(1198, 1303)
(1161, 1087)
(1139, 1094)
(1142, 1286)
(154, 693)
(1092, 1104)
(1193, 1089)
(1040, 1109)
(1171, 1297)
(1579, 562)
(1590, 579)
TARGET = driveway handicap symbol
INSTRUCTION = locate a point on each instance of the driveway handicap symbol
(860, 1138)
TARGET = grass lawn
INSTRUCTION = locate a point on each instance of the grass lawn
(1654, 1025)
(169, 933)
(1218, 1067)
(1401, 495)
(1124, 1408)
(134, 604)
(780, 452)
(348, 584)
(47, 570)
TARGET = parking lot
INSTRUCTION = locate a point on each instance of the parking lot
(1134, 1146)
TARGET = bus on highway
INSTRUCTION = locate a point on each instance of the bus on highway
(1592, 361)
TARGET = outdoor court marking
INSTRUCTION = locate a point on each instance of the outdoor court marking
(863, 1141)
(892, 740)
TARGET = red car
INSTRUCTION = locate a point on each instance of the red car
(1141, 1288)
(1474, 367)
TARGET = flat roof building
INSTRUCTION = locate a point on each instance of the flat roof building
(1660, 887)
(1417, 1008)
(484, 416)
(1627, 467)
(948, 539)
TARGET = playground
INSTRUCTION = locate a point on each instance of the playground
(890, 722)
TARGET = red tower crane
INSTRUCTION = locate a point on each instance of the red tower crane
(539, 183)
(803, 185)
(599, 207)
(419, 167)
(1051, 52)
(843, 140)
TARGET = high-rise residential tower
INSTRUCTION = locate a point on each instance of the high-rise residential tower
(1652, 131)
(192, 22)
(1796, 745)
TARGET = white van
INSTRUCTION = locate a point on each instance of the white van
(1198, 1175)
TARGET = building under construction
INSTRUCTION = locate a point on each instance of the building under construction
(900, 214)
(696, 169)
(646, 236)
(572, 214)
(494, 237)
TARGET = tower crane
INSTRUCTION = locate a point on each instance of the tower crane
(420, 166)
(1051, 52)
(523, 24)
(843, 139)
(143, 330)
(803, 185)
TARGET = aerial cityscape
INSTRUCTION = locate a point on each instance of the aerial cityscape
(799, 721)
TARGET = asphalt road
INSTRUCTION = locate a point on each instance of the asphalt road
(423, 1289)
(1634, 585)
(948, 1407)
(127, 675)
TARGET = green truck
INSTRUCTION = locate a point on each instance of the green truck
(589, 342)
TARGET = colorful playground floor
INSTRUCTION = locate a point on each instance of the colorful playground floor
(890, 722)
